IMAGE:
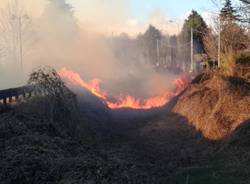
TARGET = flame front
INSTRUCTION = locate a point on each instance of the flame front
(93, 86)
(74, 78)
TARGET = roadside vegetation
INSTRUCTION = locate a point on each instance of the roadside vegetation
(201, 138)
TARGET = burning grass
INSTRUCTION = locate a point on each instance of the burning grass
(39, 148)
(122, 101)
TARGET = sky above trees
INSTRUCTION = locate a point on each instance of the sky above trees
(130, 16)
(135, 15)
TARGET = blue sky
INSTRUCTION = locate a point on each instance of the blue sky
(142, 8)
(172, 8)
(135, 15)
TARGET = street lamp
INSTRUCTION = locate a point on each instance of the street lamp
(179, 31)
(176, 23)
(192, 50)
(20, 20)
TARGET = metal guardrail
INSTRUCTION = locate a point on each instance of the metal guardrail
(13, 94)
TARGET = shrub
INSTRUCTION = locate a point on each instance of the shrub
(243, 59)
(47, 80)
(228, 63)
(61, 102)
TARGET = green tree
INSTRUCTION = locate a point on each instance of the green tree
(232, 36)
(245, 1)
(200, 28)
(245, 9)
(228, 12)
(148, 41)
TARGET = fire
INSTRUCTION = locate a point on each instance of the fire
(74, 78)
(131, 102)
(123, 101)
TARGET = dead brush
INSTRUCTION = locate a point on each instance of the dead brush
(59, 101)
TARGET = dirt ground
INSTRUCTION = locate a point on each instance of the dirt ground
(167, 145)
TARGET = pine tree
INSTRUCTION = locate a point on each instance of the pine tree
(149, 41)
(245, 9)
(228, 12)
(199, 26)
(245, 1)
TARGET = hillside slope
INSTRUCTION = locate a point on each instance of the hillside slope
(93, 144)
(35, 148)
(215, 104)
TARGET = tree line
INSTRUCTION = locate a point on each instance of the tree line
(222, 42)
(216, 45)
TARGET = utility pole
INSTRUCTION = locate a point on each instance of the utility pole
(158, 52)
(192, 50)
(20, 41)
(219, 44)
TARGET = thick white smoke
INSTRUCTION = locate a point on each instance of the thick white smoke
(57, 38)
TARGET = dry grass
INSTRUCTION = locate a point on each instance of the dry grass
(216, 106)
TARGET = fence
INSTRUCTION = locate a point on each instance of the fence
(8, 96)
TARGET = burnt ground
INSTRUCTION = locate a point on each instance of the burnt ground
(97, 145)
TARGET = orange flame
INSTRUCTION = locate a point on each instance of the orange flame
(74, 78)
(124, 101)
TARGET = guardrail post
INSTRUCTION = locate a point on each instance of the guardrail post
(10, 99)
(4, 101)
(10, 95)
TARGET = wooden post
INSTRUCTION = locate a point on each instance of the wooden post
(4, 101)
(10, 95)
(10, 99)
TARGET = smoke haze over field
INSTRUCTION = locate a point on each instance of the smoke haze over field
(52, 35)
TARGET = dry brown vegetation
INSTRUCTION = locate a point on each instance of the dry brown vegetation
(233, 41)
(216, 104)
(43, 146)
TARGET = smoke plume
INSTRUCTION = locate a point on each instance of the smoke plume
(52, 35)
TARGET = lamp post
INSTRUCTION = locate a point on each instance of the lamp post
(158, 52)
(20, 41)
(19, 24)
(178, 27)
(192, 50)
(175, 22)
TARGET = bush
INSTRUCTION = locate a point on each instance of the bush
(61, 102)
(47, 80)
(243, 59)
(228, 63)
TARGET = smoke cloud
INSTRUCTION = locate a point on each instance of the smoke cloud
(52, 35)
